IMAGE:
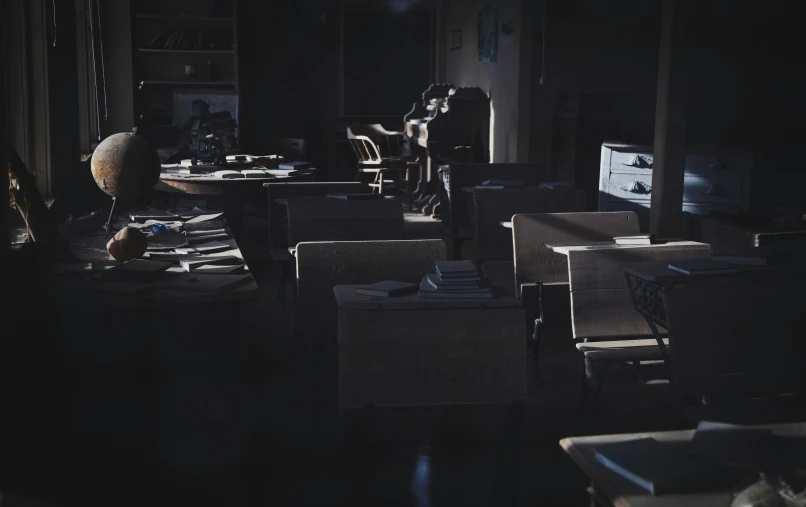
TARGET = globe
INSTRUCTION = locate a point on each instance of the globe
(125, 166)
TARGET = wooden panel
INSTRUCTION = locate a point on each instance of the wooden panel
(493, 206)
(445, 356)
(326, 219)
(464, 175)
(535, 262)
(303, 189)
(606, 313)
(602, 269)
(600, 302)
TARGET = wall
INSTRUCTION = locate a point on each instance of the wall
(500, 80)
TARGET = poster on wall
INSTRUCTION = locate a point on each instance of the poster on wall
(488, 33)
(508, 23)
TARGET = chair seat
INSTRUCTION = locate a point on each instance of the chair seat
(622, 350)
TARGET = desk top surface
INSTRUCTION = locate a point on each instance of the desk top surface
(90, 248)
(610, 245)
(623, 493)
(659, 272)
(347, 299)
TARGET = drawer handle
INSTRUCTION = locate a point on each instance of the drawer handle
(637, 187)
(638, 161)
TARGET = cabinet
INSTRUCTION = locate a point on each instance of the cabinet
(715, 179)
(183, 50)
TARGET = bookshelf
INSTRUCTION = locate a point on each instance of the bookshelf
(182, 49)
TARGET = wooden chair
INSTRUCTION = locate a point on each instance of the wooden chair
(367, 142)
(606, 326)
(738, 345)
(456, 176)
(278, 216)
(540, 269)
(328, 219)
(290, 149)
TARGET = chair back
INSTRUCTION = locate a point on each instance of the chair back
(278, 219)
(365, 149)
(456, 176)
(738, 337)
(329, 219)
(535, 262)
(493, 206)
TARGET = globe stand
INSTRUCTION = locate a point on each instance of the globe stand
(108, 226)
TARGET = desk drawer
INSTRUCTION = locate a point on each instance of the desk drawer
(698, 188)
(625, 161)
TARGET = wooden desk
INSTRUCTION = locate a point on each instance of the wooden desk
(601, 305)
(411, 351)
(91, 248)
(234, 191)
(622, 493)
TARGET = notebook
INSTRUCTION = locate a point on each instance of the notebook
(702, 267)
(293, 166)
(386, 288)
(462, 268)
(192, 263)
(227, 174)
(654, 466)
(640, 239)
(204, 248)
(734, 445)
(356, 197)
(428, 292)
(456, 286)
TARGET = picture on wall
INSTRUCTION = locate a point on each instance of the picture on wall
(488, 33)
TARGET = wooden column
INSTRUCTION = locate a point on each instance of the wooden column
(670, 125)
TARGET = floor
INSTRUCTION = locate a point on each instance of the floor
(243, 435)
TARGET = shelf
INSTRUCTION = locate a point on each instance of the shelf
(216, 84)
(189, 51)
(179, 17)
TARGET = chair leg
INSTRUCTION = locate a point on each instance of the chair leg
(380, 186)
(592, 383)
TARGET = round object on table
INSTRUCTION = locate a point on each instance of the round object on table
(125, 166)
(128, 243)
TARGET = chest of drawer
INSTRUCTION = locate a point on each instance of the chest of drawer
(698, 188)
(697, 163)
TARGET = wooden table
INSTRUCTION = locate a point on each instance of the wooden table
(91, 248)
(617, 490)
(234, 191)
(411, 351)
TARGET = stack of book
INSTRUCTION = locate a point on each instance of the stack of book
(455, 280)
